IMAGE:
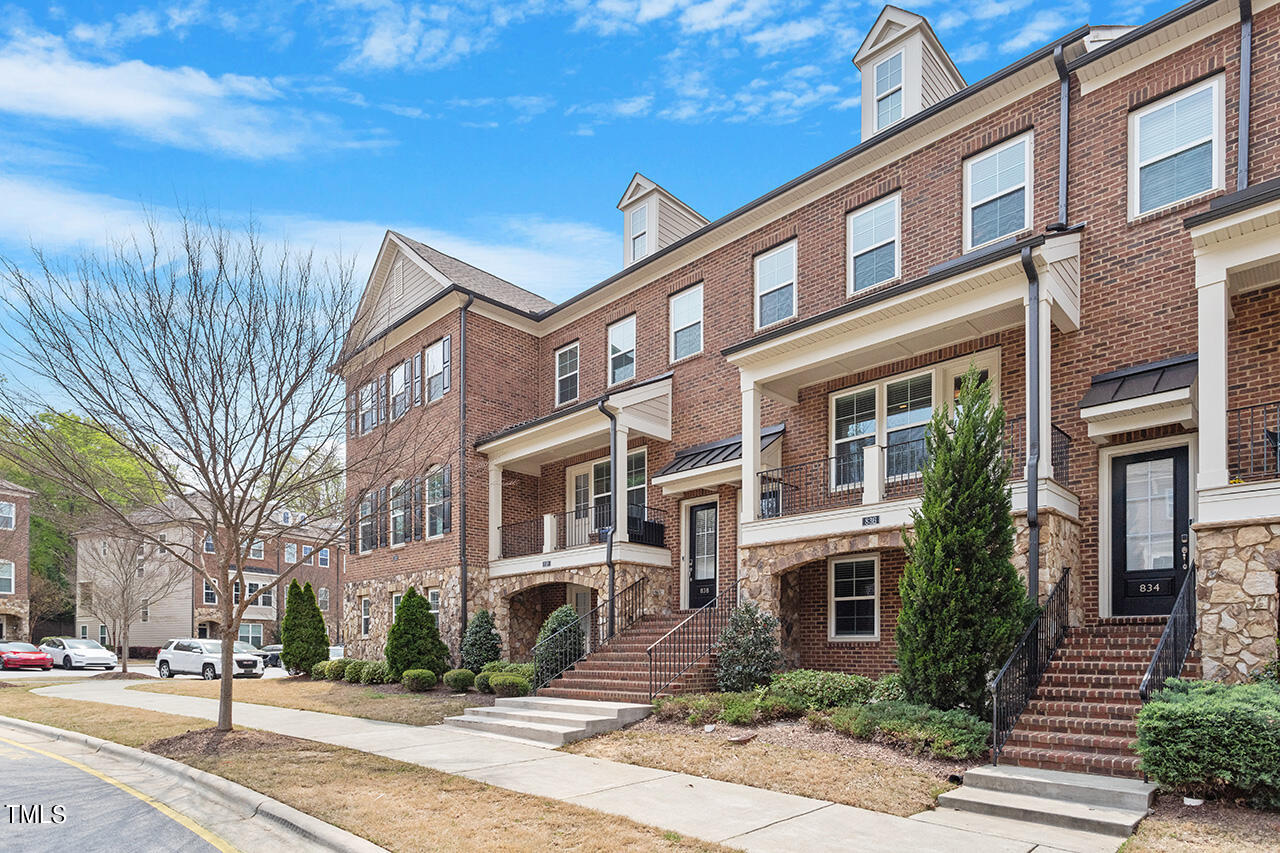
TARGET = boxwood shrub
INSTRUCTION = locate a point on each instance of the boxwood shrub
(320, 671)
(482, 682)
(376, 672)
(1202, 738)
(821, 690)
(509, 684)
(459, 680)
(418, 680)
(337, 669)
(524, 670)
(355, 671)
(923, 730)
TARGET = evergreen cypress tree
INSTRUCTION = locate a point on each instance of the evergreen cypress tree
(963, 603)
(480, 642)
(414, 640)
(317, 638)
(302, 630)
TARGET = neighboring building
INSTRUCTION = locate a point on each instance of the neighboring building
(192, 611)
(15, 544)
(1132, 321)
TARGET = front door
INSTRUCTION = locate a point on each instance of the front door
(1150, 547)
(702, 535)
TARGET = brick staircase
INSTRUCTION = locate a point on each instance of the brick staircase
(1082, 716)
(619, 672)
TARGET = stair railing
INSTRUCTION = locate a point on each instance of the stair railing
(1175, 641)
(586, 634)
(679, 649)
(1013, 687)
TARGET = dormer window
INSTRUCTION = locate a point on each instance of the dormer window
(889, 91)
(639, 232)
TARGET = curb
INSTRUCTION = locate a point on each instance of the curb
(311, 828)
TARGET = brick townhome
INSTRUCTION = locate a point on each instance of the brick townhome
(15, 543)
(1128, 324)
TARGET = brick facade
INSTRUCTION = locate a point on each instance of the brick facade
(15, 547)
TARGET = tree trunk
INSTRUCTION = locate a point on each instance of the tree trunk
(224, 692)
(124, 641)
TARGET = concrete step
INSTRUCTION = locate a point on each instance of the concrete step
(1036, 835)
(1082, 817)
(549, 720)
(588, 694)
(625, 712)
(1104, 791)
(547, 733)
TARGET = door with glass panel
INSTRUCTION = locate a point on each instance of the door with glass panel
(701, 550)
(1150, 547)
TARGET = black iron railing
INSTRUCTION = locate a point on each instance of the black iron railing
(903, 463)
(646, 525)
(1015, 446)
(1018, 679)
(588, 633)
(585, 525)
(521, 538)
(1253, 442)
(1060, 456)
(1175, 642)
(811, 486)
(690, 641)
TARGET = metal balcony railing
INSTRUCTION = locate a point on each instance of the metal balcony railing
(588, 525)
(1253, 442)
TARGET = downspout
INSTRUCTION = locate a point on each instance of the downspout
(462, 460)
(613, 486)
(1064, 126)
(1033, 425)
(1246, 71)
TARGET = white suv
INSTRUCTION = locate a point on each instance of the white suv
(204, 658)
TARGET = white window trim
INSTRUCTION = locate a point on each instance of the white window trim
(588, 468)
(1219, 146)
(896, 200)
(435, 611)
(445, 368)
(631, 234)
(576, 345)
(877, 97)
(671, 323)
(427, 505)
(209, 589)
(1027, 184)
(323, 593)
(608, 350)
(401, 490)
(366, 616)
(795, 281)
(258, 550)
(8, 515)
(396, 598)
(322, 558)
(832, 637)
(9, 572)
(210, 546)
(291, 553)
(370, 518)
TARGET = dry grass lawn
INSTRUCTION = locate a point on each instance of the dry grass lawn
(859, 775)
(1175, 828)
(399, 806)
(372, 702)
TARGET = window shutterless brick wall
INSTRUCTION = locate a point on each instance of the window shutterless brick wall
(15, 544)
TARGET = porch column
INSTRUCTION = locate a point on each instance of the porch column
(1046, 386)
(750, 450)
(1214, 312)
(495, 511)
(619, 486)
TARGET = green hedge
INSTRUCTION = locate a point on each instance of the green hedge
(509, 684)
(376, 672)
(482, 682)
(337, 669)
(355, 671)
(320, 671)
(459, 680)
(739, 709)
(524, 670)
(1203, 738)
(418, 680)
(821, 690)
(923, 730)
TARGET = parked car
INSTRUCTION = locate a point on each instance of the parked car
(22, 655)
(336, 652)
(204, 658)
(76, 653)
(271, 654)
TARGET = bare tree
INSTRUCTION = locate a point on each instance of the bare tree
(47, 599)
(121, 577)
(211, 360)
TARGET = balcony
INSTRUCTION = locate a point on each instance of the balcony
(1253, 443)
(578, 538)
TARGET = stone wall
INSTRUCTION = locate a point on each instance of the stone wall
(1237, 601)
(761, 568)
(1059, 548)
(14, 613)
(379, 592)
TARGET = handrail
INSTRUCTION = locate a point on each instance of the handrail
(1175, 641)
(1018, 679)
(586, 634)
(689, 641)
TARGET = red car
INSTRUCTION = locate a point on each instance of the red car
(19, 655)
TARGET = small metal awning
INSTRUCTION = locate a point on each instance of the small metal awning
(1141, 397)
(714, 463)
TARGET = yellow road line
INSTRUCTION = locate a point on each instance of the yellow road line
(182, 819)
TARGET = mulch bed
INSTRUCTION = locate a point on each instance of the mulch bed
(123, 676)
(205, 742)
(1217, 813)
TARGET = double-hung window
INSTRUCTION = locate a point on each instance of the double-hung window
(366, 616)
(853, 600)
(400, 523)
(210, 593)
(437, 488)
(776, 285)
(396, 598)
(368, 395)
(6, 577)
(888, 91)
(235, 593)
(873, 244)
(145, 615)
(257, 550)
(639, 232)
(322, 598)
(208, 544)
(306, 554)
(908, 407)
(1176, 148)
(622, 350)
(433, 602)
(8, 515)
(893, 413)
(567, 373)
(368, 524)
(291, 553)
(322, 557)
(438, 364)
(997, 192)
(686, 323)
(636, 492)
(853, 429)
(251, 632)
(399, 382)
(252, 591)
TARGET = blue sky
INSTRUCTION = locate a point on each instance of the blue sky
(502, 132)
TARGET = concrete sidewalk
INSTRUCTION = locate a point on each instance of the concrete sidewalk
(739, 816)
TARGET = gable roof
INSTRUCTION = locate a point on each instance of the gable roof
(475, 279)
(14, 489)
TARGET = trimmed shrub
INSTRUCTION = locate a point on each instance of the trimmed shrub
(889, 689)
(320, 671)
(1268, 673)
(963, 604)
(302, 634)
(923, 730)
(524, 670)
(337, 669)
(414, 640)
(377, 672)
(748, 652)
(418, 680)
(1202, 738)
(480, 642)
(822, 690)
(459, 680)
(355, 671)
(139, 652)
(482, 682)
(738, 709)
(560, 643)
(507, 684)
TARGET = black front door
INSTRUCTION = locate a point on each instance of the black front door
(1150, 547)
(702, 535)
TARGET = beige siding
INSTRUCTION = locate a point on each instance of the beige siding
(167, 619)
(935, 83)
(674, 223)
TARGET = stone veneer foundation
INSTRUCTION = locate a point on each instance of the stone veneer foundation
(1059, 548)
(1237, 600)
(379, 592)
(14, 613)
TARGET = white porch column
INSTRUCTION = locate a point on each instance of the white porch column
(1214, 311)
(549, 539)
(1046, 388)
(872, 474)
(619, 486)
(750, 508)
(495, 511)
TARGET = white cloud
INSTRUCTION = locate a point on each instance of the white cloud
(784, 36)
(610, 17)
(1042, 27)
(972, 52)
(183, 107)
